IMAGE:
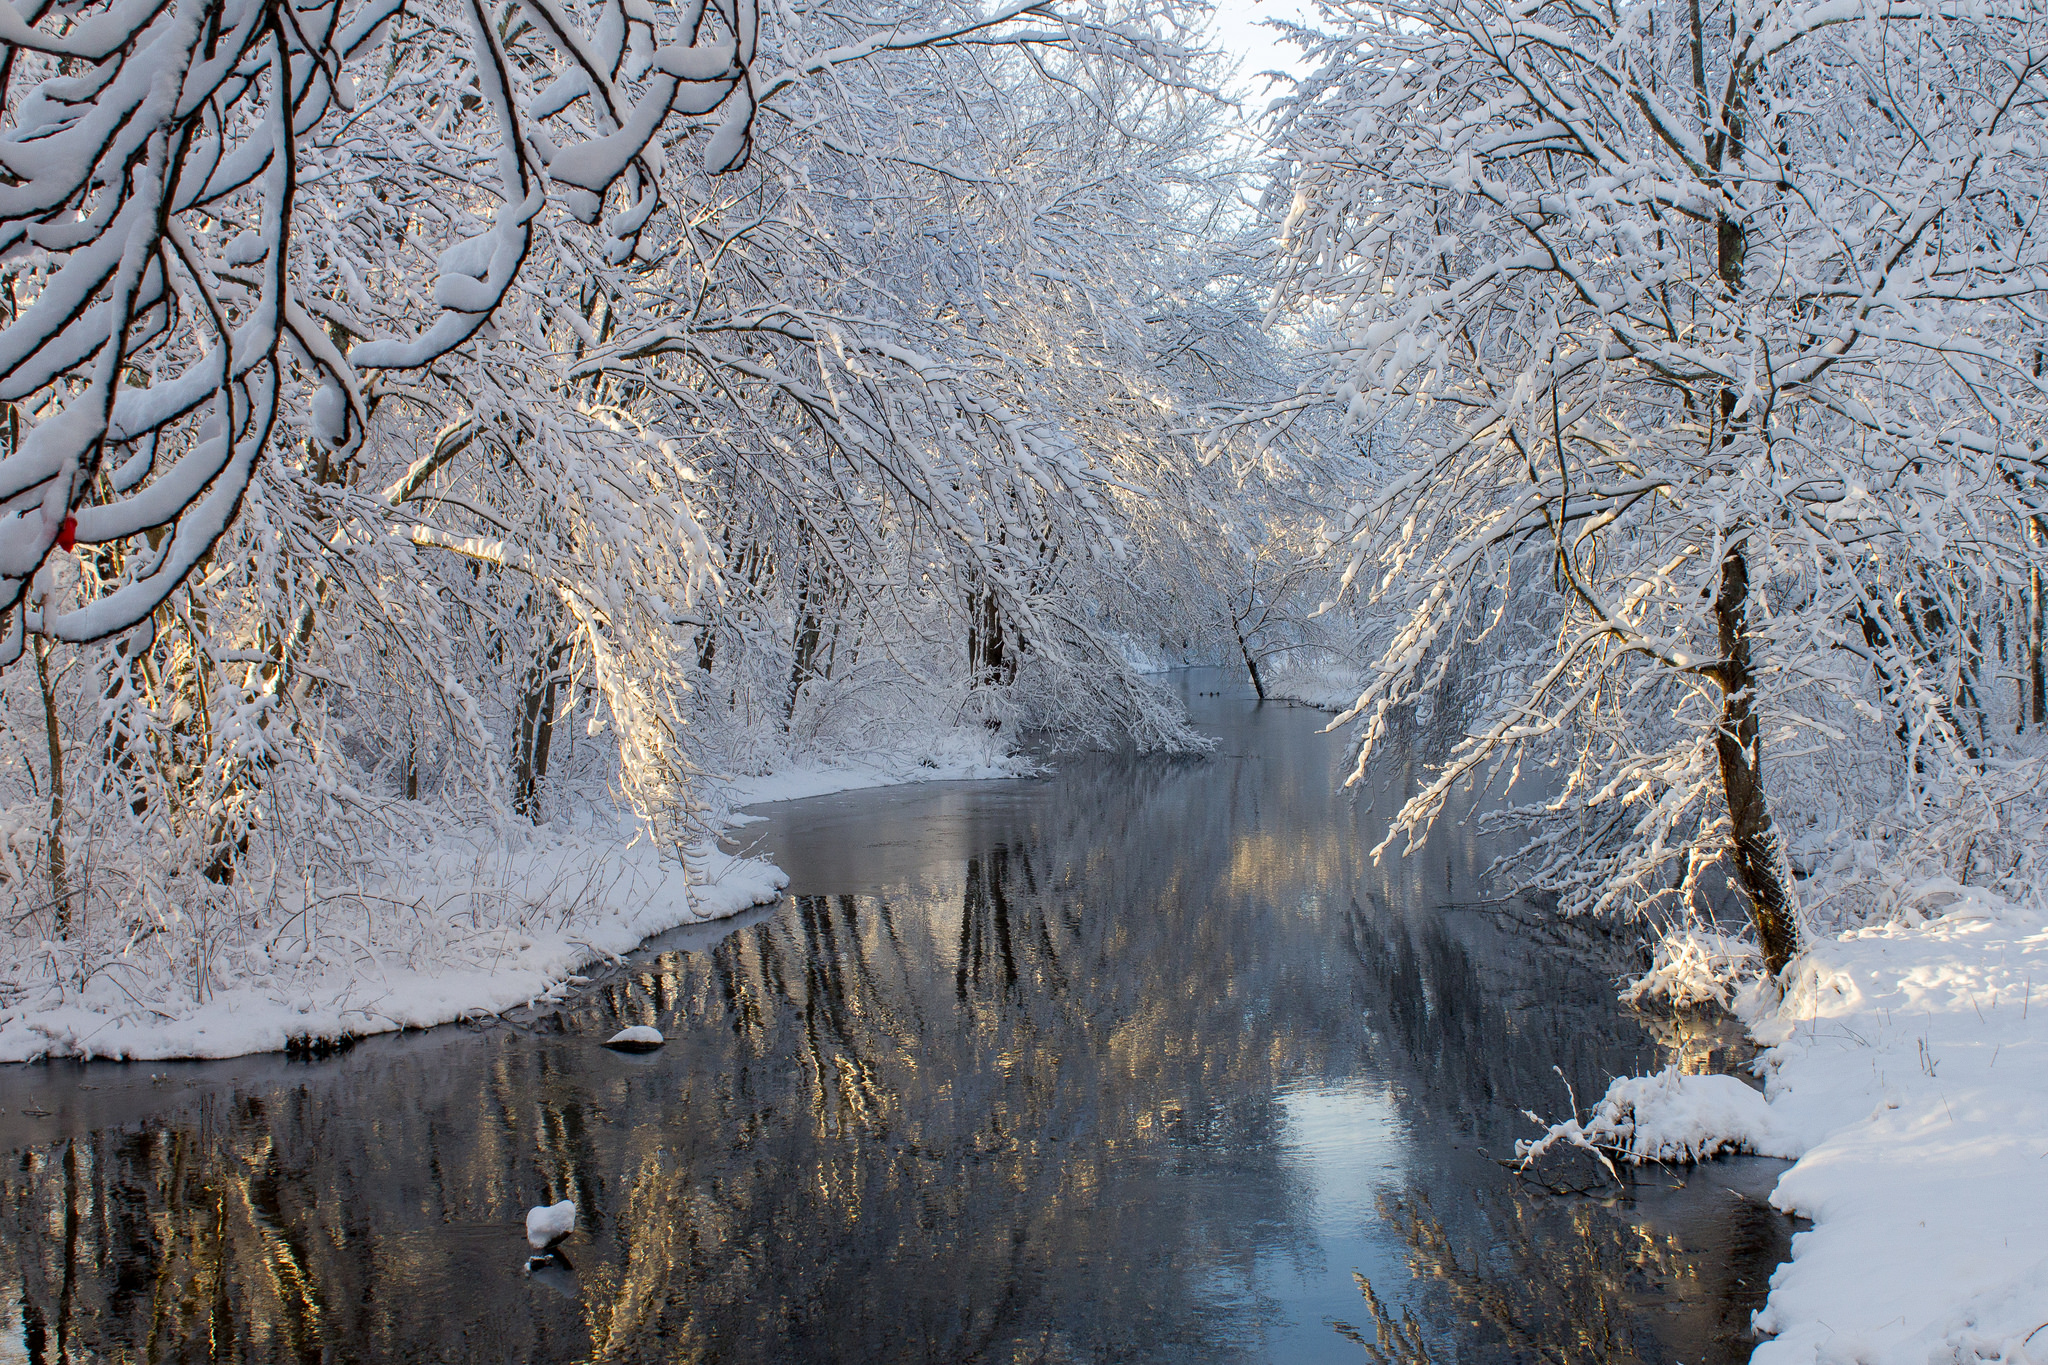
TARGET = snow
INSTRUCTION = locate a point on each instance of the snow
(639, 1038)
(547, 1224)
(943, 764)
(1908, 1059)
(1906, 1073)
(451, 934)
(1673, 1117)
(454, 930)
(1696, 966)
(1314, 682)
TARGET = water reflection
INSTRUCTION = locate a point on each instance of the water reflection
(1145, 1062)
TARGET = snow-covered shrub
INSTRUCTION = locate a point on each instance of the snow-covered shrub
(1692, 966)
(1670, 1116)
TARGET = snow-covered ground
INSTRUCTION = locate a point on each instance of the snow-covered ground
(459, 928)
(1910, 1064)
(952, 759)
(457, 932)
(1908, 1075)
(1314, 681)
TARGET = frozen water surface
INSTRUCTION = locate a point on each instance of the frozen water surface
(1144, 1061)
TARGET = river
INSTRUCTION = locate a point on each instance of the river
(1146, 1060)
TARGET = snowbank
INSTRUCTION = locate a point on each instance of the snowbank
(1672, 1117)
(460, 928)
(1312, 682)
(463, 932)
(798, 780)
(1907, 1074)
(1909, 1061)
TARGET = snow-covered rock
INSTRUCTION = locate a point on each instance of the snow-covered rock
(638, 1038)
(548, 1224)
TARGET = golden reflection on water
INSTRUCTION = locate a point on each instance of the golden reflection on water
(1524, 1290)
(1029, 1103)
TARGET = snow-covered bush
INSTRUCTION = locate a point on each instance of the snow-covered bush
(1670, 1116)
(1692, 966)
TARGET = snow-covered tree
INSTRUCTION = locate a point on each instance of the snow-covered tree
(545, 388)
(1707, 338)
(185, 177)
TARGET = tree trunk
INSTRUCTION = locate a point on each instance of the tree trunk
(810, 631)
(60, 879)
(1251, 664)
(989, 661)
(536, 731)
(1753, 844)
(2037, 678)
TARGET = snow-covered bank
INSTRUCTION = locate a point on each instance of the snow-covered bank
(1323, 685)
(1908, 1075)
(949, 763)
(1909, 1061)
(462, 927)
(458, 932)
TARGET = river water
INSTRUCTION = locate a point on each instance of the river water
(1143, 1061)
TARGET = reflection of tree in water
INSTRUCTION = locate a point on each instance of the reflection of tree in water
(1524, 1290)
(1506, 1270)
(163, 1244)
(952, 1123)
(1027, 1110)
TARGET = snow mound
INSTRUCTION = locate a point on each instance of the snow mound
(1671, 1117)
(547, 1224)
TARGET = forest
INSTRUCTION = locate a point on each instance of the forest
(445, 439)
(455, 453)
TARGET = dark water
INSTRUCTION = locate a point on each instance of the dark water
(1143, 1062)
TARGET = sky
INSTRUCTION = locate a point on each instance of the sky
(1238, 29)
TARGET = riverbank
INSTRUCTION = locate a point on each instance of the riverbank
(959, 762)
(454, 931)
(1324, 686)
(1905, 1071)
(465, 925)
(1908, 1062)
(1907, 1079)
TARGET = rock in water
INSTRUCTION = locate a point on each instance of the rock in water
(639, 1038)
(548, 1224)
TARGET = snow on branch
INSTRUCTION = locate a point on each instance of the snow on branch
(175, 173)
(1706, 345)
